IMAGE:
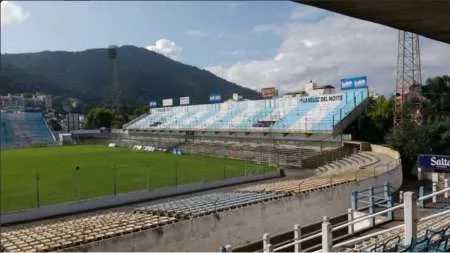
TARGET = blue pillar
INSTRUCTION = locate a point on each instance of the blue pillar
(421, 194)
(371, 205)
(386, 191)
(354, 201)
(390, 203)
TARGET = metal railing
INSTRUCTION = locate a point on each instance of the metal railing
(267, 247)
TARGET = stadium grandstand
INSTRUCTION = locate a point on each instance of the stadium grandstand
(308, 114)
(345, 195)
(24, 128)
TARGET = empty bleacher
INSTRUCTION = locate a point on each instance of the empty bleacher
(298, 114)
(21, 129)
(64, 234)
(296, 186)
(355, 161)
(209, 203)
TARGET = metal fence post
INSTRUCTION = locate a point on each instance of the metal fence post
(297, 235)
(327, 240)
(38, 198)
(390, 203)
(446, 186)
(77, 171)
(355, 201)
(350, 216)
(386, 191)
(176, 172)
(410, 216)
(400, 196)
(371, 205)
(226, 248)
(434, 189)
(148, 178)
(266, 243)
(421, 194)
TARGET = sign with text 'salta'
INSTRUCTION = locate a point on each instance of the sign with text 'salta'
(434, 162)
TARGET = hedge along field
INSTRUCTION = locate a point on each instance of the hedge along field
(43, 176)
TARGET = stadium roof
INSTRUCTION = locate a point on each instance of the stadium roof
(427, 18)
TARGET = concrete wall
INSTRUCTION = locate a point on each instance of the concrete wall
(246, 224)
(385, 150)
(124, 198)
(328, 156)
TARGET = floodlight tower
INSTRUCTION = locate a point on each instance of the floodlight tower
(409, 78)
(115, 94)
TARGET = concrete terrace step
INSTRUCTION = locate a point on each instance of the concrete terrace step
(361, 159)
(334, 165)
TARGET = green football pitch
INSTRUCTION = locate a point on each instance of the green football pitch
(42, 176)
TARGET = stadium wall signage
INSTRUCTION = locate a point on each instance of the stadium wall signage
(167, 102)
(152, 104)
(354, 83)
(215, 98)
(319, 99)
(434, 162)
(184, 100)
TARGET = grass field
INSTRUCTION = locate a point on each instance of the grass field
(48, 175)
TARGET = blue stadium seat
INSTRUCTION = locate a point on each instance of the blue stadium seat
(423, 244)
(20, 129)
(287, 113)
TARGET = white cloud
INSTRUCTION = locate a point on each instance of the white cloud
(331, 48)
(195, 32)
(12, 13)
(167, 48)
(264, 28)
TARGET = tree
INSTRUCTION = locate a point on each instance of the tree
(141, 110)
(54, 124)
(99, 117)
(439, 135)
(410, 139)
(375, 122)
(437, 91)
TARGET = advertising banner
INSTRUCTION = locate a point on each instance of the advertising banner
(321, 99)
(269, 92)
(215, 98)
(184, 100)
(354, 83)
(434, 162)
(152, 104)
(167, 102)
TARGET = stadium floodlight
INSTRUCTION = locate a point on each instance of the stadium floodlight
(409, 76)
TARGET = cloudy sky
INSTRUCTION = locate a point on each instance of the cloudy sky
(254, 44)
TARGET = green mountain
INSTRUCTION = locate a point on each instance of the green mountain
(143, 75)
